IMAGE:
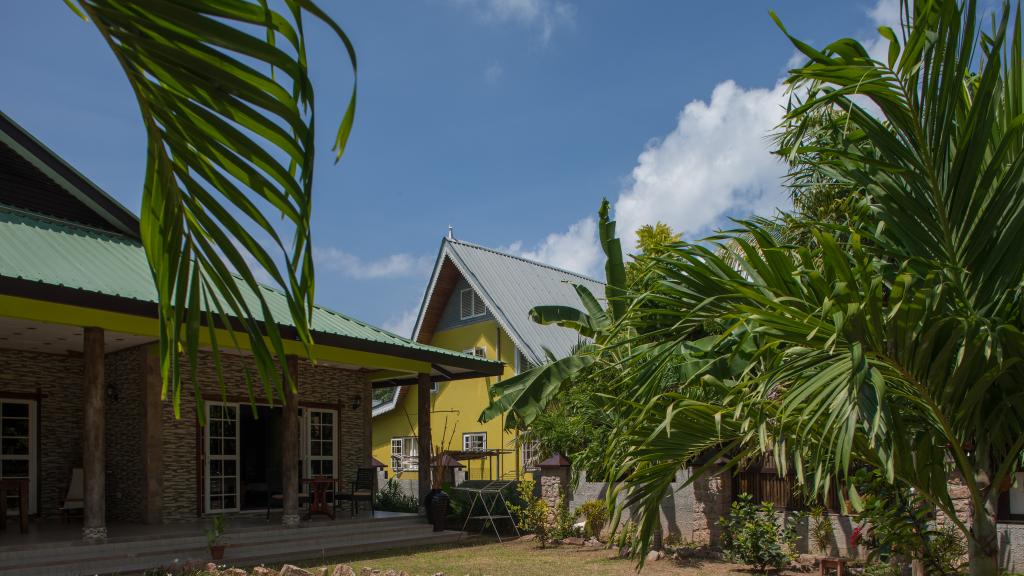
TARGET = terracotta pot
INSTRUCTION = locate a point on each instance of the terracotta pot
(217, 551)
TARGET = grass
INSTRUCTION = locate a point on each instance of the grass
(479, 556)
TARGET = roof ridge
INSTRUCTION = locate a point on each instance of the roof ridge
(522, 259)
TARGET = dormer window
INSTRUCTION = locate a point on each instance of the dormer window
(471, 305)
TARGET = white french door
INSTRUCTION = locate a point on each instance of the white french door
(318, 442)
(320, 446)
(18, 448)
(222, 449)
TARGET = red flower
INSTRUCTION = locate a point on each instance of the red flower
(855, 537)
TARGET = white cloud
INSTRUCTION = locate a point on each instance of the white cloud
(576, 249)
(493, 73)
(393, 266)
(884, 13)
(402, 324)
(716, 163)
(546, 15)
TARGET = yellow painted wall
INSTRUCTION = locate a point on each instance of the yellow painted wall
(457, 406)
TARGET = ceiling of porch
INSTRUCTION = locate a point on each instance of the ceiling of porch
(48, 338)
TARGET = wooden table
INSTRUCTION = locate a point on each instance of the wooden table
(318, 488)
(19, 485)
(828, 564)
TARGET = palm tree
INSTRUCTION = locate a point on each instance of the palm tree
(225, 95)
(893, 340)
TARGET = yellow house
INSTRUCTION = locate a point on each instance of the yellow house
(477, 301)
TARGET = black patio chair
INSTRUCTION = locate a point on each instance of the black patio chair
(361, 489)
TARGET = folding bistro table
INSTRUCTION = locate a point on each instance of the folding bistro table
(490, 499)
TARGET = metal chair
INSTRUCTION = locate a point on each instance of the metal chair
(361, 489)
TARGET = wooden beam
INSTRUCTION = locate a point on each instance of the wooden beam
(423, 416)
(290, 447)
(94, 527)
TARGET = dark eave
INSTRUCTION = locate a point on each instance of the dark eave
(459, 367)
(118, 217)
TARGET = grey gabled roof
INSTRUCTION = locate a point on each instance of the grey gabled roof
(511, 286)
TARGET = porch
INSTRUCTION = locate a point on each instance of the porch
(54, 548)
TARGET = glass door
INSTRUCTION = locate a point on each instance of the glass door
(320, 445)
(222, 486)
(18, 448)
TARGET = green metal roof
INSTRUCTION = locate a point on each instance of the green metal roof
(38, 248)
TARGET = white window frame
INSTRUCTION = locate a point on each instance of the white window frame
(473, 302)
(209, 458)
(407, 459)
(478, 351)
(465, 441)
(307, 453)
(31, 457)
(529, 451)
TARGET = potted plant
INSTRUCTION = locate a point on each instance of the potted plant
(437, 500)
(213, 536)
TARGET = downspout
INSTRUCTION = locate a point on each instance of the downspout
(497, 356)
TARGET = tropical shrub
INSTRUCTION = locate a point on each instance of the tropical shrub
(626, 536)
(531, 513)
(820, 531)
(752, 535)
(882, 569)
(595, 516)
(391, 498)
(565, 522)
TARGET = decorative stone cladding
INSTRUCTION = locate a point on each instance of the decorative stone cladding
(57, 379)
(689, 513)
(712, 494)
(320, 384)
(124, 372)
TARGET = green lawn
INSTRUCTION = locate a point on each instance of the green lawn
(486, 557)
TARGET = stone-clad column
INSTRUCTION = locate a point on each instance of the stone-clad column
(712, 493)
(554, 482)
(153, 441)
(290, 447)
(94, 527)
(423, 386)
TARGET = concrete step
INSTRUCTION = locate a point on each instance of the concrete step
(191, 536)
(256, 547)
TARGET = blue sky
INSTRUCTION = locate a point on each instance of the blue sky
(508, 119)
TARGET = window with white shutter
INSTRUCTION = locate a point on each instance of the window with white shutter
(470, 305)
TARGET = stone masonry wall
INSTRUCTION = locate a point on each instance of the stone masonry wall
(124, 372)
(712, 495)
(58, 380)
(688, 513)
(317, 384)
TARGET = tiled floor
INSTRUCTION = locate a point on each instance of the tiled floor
(42, 532)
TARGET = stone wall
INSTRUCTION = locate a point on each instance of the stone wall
(688, 513)
(1011, 547)
(57, 380)
(124, 374)
(320, 384)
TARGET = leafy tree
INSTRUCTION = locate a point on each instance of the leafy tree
(652, 241)
(892, 339)
(225, 96)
